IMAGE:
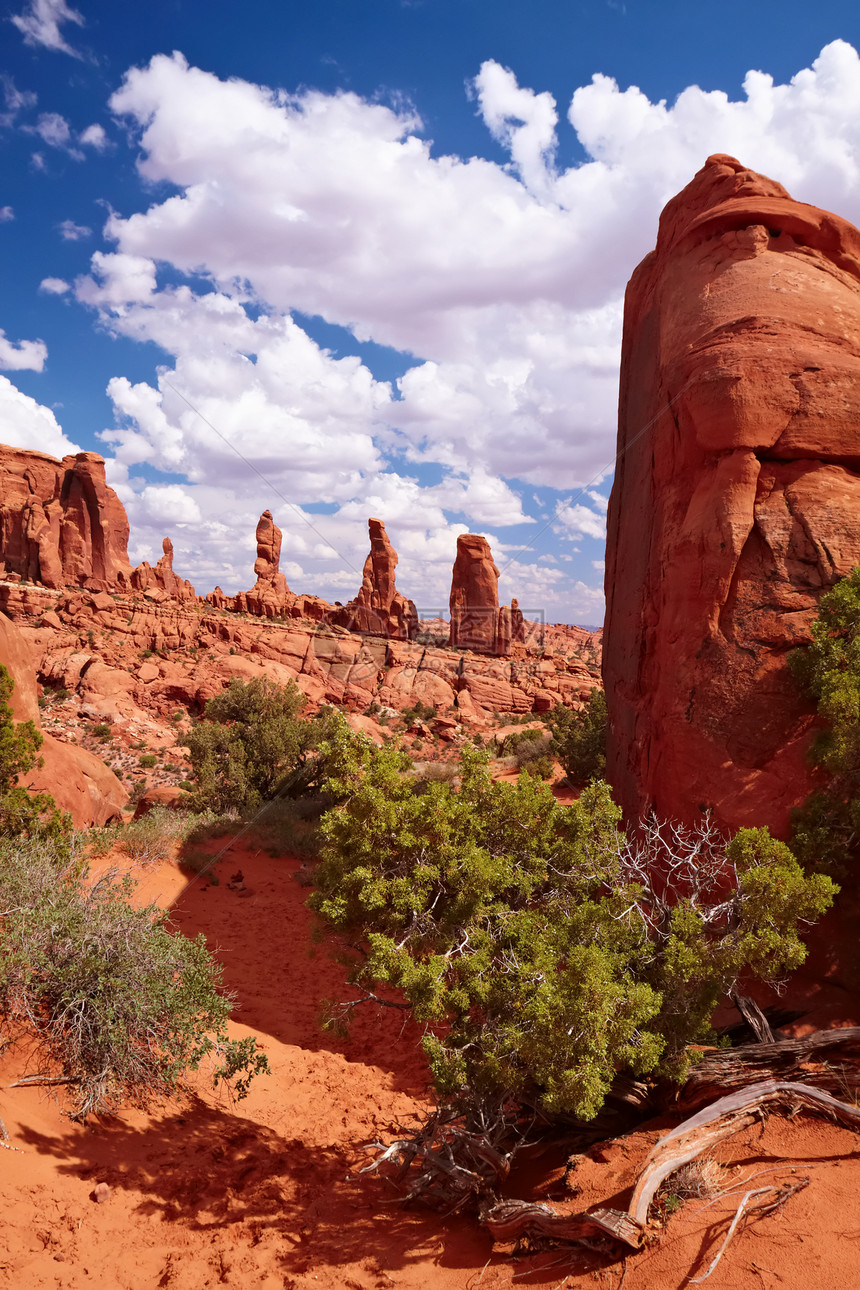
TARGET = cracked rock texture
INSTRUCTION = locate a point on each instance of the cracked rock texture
(736, 500)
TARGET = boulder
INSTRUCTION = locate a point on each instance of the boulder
(736, 500)
(169, 796)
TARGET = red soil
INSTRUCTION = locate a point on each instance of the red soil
(264, 1193)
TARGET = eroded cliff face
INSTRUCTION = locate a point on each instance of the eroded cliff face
(60, 524)
(736, 500)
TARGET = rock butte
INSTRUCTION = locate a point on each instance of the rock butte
(477, 622)
(736, 500)
(60, 524)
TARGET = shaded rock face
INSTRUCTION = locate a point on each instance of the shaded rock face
(736, 500)
(379, 609)
(60, 524)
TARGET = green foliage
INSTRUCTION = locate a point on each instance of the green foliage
(252, 745)
(418, 712)
(151, 838)
(542, 950)
(102, 731)
(121, 1006)
(579, 738)
(21, 812)
(147, 761)
(531, 750)
(827, 827)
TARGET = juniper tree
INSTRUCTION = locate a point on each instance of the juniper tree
(543, 950)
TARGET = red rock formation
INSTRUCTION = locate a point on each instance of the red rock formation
(379, 609)
(477, 622)
(60, 524)
(270, 596)
(736, 500)
(162, 579)
(474, 601)
(78, 781)
(518, 626)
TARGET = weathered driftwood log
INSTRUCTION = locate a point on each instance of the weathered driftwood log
(701, 1132)
(508, 1220)
(835, 1053)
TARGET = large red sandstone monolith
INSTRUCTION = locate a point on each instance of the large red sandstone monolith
(736, 500)
(60, 524)
(379, 608)
(474, 601)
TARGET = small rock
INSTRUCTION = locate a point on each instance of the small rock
(101, 1193)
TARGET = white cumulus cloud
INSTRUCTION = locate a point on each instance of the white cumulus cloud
(28, 424)
(502, 284)
(22, 355)
(54, 286)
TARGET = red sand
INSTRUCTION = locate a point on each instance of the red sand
(264, 1193)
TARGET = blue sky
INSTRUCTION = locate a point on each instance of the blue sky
(374, 250)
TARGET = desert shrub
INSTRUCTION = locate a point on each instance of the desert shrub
(541, 765)
(579, 739)
(102, 731)
(419, 712)
(207, 826)
(252, 746)
(151, 838)
(120, 1005)
(21, 812)
(290, 827)
(827, 827)
(147, 761)
(436, 772)
(541, 948)
(530, 749)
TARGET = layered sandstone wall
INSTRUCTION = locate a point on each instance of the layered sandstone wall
(123, 654)
(736, 500)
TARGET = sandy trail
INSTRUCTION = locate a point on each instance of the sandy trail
(264, 1193)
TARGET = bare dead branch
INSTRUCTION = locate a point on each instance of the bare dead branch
(754, 1017)
(780, 1197)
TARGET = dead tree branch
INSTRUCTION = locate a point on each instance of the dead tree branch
(510, 1219)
